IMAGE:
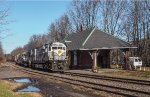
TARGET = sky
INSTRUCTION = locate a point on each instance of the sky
(29, 17)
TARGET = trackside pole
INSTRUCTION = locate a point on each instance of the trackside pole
(144, 68)
(140, 68)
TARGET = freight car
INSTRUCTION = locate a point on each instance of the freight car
(50, 56)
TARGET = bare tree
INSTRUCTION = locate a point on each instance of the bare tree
(64, 26)
(3, 16)
(3, 22)
(83, 13)
(138, 20)
(36, 41)
(60, 28)
(137, 28)
(2, 57)
(113, 13)
(17, 51)
(53, 32)
(131, 20)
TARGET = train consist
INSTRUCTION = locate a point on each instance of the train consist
(50, 56)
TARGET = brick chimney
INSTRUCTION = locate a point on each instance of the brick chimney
(82, 28)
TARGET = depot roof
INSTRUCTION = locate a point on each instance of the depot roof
(92, 39)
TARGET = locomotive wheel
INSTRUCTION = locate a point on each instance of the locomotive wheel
(61, 67)
(54, 67)
(48, 66)
(25, 64)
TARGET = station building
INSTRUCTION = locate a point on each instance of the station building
(91, 48)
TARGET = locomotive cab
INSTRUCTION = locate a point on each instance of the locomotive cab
(57, 51)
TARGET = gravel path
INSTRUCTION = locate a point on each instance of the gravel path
(49, 87)
(8, 72)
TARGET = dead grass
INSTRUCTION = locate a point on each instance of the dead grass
(142, 75)
(2, 64)
(14, 86)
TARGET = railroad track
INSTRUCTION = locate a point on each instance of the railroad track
(90, 81)
(116, 79)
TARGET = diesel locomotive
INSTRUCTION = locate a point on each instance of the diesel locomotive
(50, 56)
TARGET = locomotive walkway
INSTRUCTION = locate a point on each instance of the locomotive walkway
(109, 86)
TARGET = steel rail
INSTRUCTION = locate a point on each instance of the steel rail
(102, 77)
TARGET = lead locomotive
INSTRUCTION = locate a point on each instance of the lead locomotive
(50, 56)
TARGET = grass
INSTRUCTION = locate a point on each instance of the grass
(7, 87)
(141, 75)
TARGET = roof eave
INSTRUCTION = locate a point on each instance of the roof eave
(103, 48)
